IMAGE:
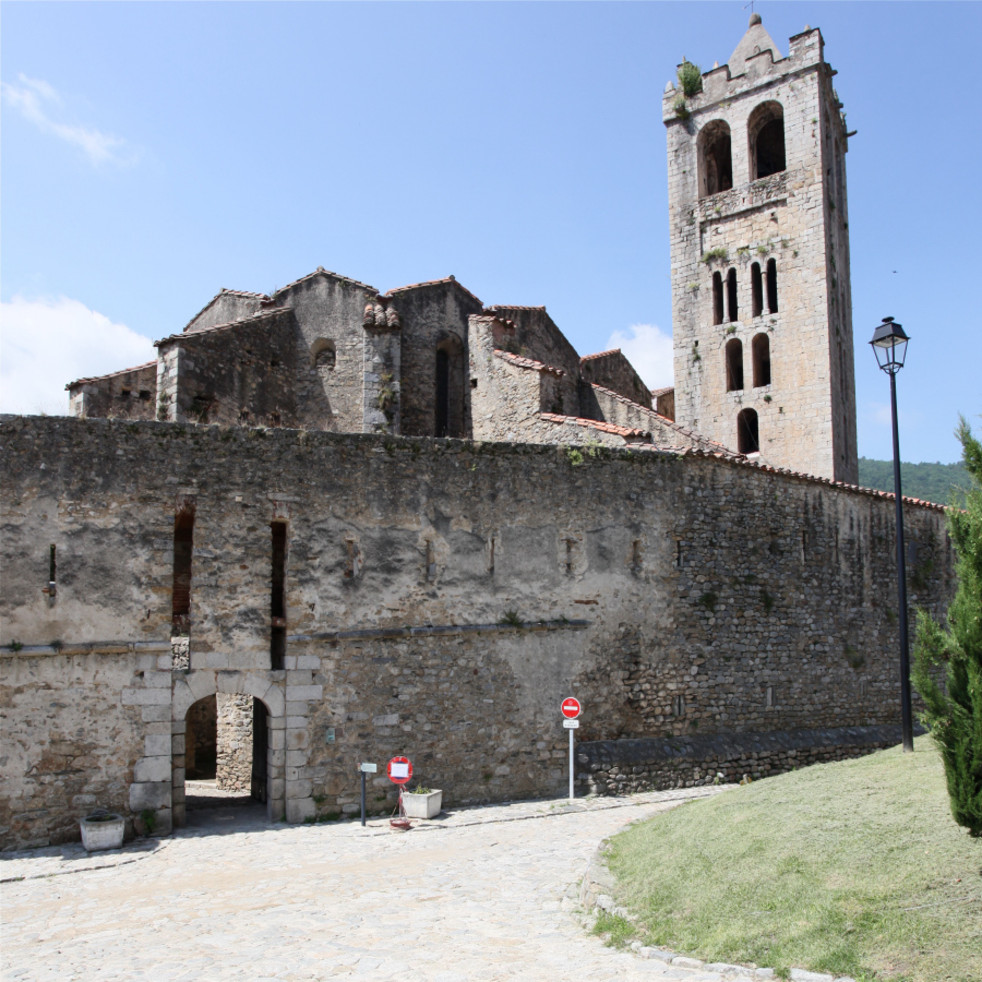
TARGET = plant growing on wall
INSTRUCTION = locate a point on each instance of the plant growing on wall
(954, 710)
(690, 78)
(712, 254)
(386, 395)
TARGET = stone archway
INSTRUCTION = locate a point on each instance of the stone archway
(244, 693)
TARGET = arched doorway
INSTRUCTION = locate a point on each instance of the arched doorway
(225, 765)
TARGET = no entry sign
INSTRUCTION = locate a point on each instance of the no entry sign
(571, 708)
(400, 770)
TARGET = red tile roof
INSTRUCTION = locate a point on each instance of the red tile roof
(226, 293)
(426, 283)
(320, 271)
(596, 424)
(122, 371)
(521, 362)
(601, 354)
(245, 322)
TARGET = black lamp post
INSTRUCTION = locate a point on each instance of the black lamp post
(890, 347)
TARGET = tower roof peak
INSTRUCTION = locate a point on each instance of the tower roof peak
(753, 42)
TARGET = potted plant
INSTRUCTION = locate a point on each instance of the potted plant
(102, 830)
(422, 802)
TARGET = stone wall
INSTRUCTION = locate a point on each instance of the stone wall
(82, 729)
(242, 373)
(433, 315)
(234, 739)
(612, 370)
(130, 394)
(442, 597)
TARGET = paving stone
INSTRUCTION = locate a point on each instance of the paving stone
(477, 894)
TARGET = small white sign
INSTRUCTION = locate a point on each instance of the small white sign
(399, 770)
(368, 768)
(571, 724)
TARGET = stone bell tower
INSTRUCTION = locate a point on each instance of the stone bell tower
(761, 302)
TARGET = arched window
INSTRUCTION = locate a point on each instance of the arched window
(748, 439)
(766, 132)
(772, 285)
(734, 365)
(449, 388)
(715, 163)
(761, 350)
(756, 290)
(731, 295)
(717, 298)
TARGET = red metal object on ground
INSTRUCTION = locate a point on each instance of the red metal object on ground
(400, 770)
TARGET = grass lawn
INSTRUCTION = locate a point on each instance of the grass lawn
(853, 868)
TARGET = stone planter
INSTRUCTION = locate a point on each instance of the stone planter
(422, 805)
(102, 830)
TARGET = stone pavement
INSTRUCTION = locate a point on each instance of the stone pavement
(489, 893)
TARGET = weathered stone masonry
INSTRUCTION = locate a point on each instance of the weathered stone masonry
(441, 597)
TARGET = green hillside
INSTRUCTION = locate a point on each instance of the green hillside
(931, 482)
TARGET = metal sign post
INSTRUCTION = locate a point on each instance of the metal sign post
(365, 769)
(571, 709)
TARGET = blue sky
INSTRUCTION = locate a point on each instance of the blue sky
(153, 153)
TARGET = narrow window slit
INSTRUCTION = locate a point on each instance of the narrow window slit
(277, 596)
(772, 285)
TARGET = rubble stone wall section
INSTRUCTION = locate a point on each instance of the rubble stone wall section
(442, 598)
(234, 732)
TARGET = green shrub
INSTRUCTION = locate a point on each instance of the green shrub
(690, 78)
(954, 711)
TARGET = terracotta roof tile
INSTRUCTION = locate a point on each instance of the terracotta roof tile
(122, 371)
(696, 438)
(596, 424)
(226, 293)
(521, 362)
(813, 479)
(662, 391)
(320, 271)
(512, 306)
(262, 316)
(425, 283)
(600, 354)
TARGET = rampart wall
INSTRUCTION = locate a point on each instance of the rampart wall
(441, 598)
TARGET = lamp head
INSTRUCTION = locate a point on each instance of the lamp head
(890, 346)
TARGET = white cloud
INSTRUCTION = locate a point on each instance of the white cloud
(37, 102)
(45, 344)
(649, 350)
(879, 413)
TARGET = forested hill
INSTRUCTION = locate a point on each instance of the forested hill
(931, 482)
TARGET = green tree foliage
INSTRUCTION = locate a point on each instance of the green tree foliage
(954, 713)
(930, 482)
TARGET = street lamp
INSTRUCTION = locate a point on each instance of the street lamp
(890, 347)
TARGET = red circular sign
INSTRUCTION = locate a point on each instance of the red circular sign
(571, 708)
(400, 770)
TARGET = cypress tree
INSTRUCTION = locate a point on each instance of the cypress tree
(954, 711)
